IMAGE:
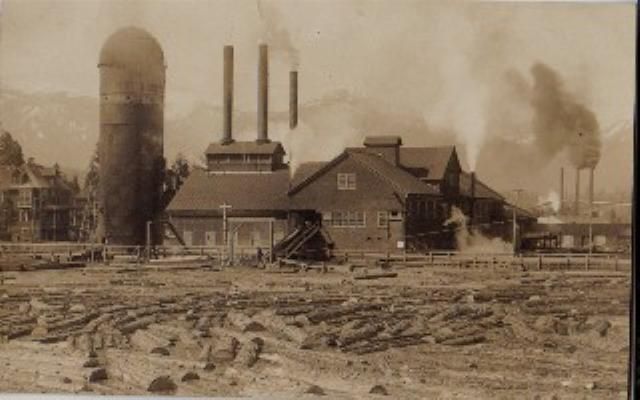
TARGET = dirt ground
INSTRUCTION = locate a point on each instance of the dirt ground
(435, 333)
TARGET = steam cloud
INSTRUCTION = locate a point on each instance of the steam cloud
(472, 241)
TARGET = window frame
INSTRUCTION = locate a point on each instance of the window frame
(383, 219)
(346, 180)
(347, 219)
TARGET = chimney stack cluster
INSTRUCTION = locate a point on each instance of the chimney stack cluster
(590, 199)
(263, 96)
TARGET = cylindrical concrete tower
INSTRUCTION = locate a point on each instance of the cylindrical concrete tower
(132, 80)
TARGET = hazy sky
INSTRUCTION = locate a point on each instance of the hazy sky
(435, 58)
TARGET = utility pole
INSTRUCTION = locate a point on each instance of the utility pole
(225, 232)
(515, 221)
(148, 234)
(590, 227)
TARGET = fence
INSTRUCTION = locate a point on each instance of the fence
(538, 261)
(93, 252)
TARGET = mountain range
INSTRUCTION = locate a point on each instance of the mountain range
(62, 128)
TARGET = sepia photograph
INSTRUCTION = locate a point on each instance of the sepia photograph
(344, 199)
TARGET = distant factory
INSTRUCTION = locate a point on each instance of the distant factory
(579, 224)
(382, 196)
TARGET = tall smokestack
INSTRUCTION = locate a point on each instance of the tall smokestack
(293, 99)
(576, 206)
(591, 170)
(263, 94)
(561, 189)
(227, 95)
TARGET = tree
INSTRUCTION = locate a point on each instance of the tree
(174, 177)
(75, 186)
(91, 188)
(10, 150)
(92, 179)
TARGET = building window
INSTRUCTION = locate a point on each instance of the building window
(348, 219)
(395, 216)
(24, 198)
(383, 219)
(347, 181)
(431, 205)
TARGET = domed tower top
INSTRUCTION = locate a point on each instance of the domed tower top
(132, 55)
(130, 47)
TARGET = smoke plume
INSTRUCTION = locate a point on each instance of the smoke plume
(561, 122)
(274, 33)
(551, 200)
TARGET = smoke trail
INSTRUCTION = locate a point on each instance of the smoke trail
(561, 122)
(275, 34)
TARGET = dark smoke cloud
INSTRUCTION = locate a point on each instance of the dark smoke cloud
(561, 122)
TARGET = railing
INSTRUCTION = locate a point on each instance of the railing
(98, 251)
(456, 259)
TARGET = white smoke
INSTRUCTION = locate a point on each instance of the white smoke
(552, 200)
(472, 241)
(462, 108)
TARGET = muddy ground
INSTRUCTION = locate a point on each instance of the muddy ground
(433, 332)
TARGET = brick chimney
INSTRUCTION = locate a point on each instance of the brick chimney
(387, 147)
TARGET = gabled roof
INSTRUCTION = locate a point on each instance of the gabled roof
(400, 180)
(245, 148)
(243, 191)
(482, 190)
(427, 162)
(36, 180)
(38, 177)
(305, 170)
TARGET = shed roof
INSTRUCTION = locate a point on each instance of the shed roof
(483, 191)
(432, 160)
(305, 170)
(243, 191)
(245, 148)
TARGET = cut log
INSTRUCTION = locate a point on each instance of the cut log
(244, 323)
(189, 376)
(354, 335)
(96, 375)
(162, 384)
(377, 275)
(276, 325)
(224, 350)
(147, 341)
(464, 340)
(250, 352)
(138, 324)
